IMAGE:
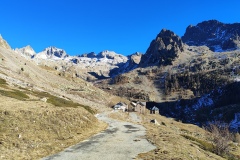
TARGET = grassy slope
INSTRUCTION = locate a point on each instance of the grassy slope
(31, 128)
(176, 140)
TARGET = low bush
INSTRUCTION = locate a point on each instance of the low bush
(220, 137)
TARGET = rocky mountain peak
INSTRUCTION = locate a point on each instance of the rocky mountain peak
(216, 35)
(110, 55)
(89, 55)
(135, 57)
(52, 52)
(26, 51)
(3, 43)
(163, 50)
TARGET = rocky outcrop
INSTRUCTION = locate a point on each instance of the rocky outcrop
(26, 51)
(216, 35)
(4, 43)
(163, 50)
(52, 53)
(132, 63)
(89, 55)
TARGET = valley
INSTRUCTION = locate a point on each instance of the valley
(51, 100)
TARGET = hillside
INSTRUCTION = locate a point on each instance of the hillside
(194, 79)
(190, 83)
(42, 112)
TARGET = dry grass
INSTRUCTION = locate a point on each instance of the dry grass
(14, 94)
(3, 81)
(31, 134)
(119, 115)
(31, 129)
(175, 140)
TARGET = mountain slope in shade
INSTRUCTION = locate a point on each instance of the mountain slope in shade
(216, 35)
(163, 50)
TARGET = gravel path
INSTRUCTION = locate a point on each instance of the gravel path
(120, 141)
(134, 117)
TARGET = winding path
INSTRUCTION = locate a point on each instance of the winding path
(120, 141)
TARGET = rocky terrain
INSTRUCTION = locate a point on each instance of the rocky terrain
(163, 50)
(194, 79)
(4, 43)
(187, 82)
(42, 112)
(216, 35)
(89, 66)
(204, 60)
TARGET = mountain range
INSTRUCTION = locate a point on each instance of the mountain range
(191, 79)
(170, 66)
(215, 35)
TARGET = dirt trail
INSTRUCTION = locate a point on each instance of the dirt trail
(121, 140)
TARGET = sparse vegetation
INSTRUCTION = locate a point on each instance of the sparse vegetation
(32, 130)
(236, 138)
(202, 144)
(32, 133)
(61, 102)
(3, 81)
(16, 94)
(220, 137)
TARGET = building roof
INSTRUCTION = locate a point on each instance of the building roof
(154, 108)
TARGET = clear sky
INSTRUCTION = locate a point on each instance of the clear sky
(124, 26)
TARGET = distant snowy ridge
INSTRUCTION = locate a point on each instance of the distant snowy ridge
(52, 53)
(101, 64)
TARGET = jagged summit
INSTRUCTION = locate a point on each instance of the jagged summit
(52, 53)
(3, 43)
(216, 35)
(26, 51)
(163, 50)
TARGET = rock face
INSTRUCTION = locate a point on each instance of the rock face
(130, 64)
(163, 50)
(214, 34)
(52, 53)
(26, 51)
(4, 43)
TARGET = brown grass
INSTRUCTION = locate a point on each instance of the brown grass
(175, 140)
(35, 133)
(119, 115)
(32, 129)
(19, 95)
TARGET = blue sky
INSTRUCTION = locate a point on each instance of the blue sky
(124, 26)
